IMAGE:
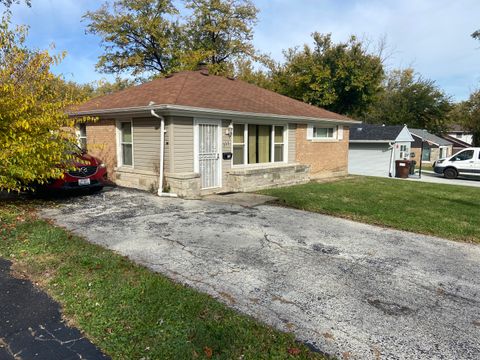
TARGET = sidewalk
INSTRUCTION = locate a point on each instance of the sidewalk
(31, 325)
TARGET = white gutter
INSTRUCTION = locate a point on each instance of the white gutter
(213, 112)
(392, 150)
(162, 152)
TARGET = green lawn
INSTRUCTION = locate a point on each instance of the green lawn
(128, 311)
(448, 211)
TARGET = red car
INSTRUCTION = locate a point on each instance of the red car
(90, 173)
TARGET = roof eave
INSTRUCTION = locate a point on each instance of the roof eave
(192, 111)
(372, 141)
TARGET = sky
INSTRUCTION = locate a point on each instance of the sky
(432, 36)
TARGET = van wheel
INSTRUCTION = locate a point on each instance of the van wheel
(450, 173)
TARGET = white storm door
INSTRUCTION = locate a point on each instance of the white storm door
(207, 150)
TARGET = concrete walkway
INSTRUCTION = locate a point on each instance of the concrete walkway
(31, 325)
(352, 290)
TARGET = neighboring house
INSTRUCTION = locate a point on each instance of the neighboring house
(434, 147)
(458, 145)
(374, 149)
(220, 135)
(458, 132)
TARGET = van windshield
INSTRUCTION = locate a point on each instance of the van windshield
(464, 155)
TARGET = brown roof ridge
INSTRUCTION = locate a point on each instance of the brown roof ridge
(183, 86)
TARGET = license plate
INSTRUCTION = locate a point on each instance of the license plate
(83, 182)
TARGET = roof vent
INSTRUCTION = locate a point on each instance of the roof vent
(168, 76)
(359, 129)
(231, 78)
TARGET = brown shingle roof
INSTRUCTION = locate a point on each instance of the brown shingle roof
(195, 89)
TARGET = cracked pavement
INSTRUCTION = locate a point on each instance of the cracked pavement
(31, 325)
(351, 290)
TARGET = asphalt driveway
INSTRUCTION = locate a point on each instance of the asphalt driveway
(347, 289)
(31, 325)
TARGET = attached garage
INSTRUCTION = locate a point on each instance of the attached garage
(373, 149)
(369, 159)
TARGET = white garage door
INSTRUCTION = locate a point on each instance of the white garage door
(369, 159)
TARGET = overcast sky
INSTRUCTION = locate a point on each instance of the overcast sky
(433, 36)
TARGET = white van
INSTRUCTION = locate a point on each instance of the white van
(465, 162)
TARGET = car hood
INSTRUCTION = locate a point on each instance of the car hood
(86, 160)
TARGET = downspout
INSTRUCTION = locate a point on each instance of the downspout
(162, 152)
(392, 147)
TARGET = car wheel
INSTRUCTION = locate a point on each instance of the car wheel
(450, 173)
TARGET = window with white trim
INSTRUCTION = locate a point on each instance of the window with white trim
(239, 140)
(82, 136)
(323, 132)
(258, 144)
(403, 152)
(279, 143)
(126, 143)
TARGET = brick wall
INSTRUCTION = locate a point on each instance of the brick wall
(101, 143)
(326, 158)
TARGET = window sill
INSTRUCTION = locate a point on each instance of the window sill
(324, 140)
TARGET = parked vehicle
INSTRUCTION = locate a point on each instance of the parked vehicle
(465, 162)
(90, 173)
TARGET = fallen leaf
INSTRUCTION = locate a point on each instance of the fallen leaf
(290, 326)
(294, 351)
(476, 322)
(208, 352)
(328, 335)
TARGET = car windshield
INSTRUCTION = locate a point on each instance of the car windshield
(464, 155)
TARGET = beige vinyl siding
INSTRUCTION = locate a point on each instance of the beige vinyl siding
(292, 143)
(146, 144)
(181, 144)
(166, 156)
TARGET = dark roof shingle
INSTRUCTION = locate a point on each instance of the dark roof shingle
(430, 137)
(367, 132)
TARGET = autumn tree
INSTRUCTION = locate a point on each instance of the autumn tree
(74, 92)
(467, 114)
(408, 98)
(33, 142)
(8, 3)
(151, 37)
(342, 77)
(220, 32)
(138, 36)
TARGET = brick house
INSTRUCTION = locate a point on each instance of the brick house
(214, 134)
(429, 147)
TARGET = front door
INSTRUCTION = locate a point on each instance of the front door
(208, 147)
